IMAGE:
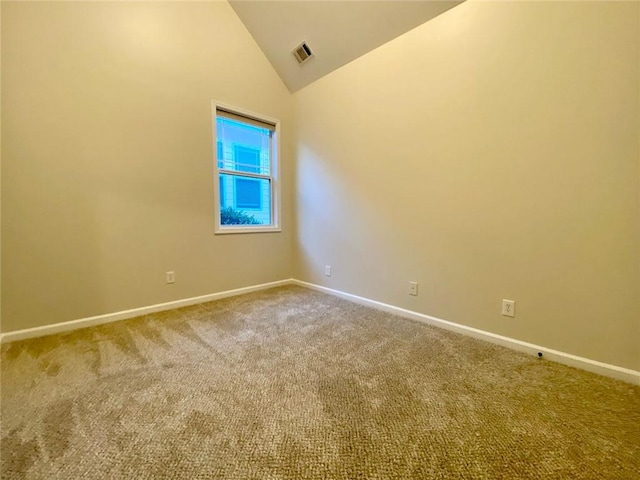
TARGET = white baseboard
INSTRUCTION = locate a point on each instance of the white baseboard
(594, 366)
(135, 312)
(613, 371)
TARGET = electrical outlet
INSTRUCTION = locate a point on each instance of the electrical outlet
(508, 308)
(327, 270)
(413, 288)
(170, 277)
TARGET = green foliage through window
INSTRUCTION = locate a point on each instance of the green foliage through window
(231, 216)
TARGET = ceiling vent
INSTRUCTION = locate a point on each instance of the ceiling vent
(302, 53)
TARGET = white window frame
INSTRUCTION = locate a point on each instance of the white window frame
(274, 169)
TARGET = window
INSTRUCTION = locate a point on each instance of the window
(247, 190)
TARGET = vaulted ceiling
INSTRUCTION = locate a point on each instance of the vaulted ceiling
(336, 31)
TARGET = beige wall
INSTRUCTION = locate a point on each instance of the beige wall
(107, 156)
(491, 153)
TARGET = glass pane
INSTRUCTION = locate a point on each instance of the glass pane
(220, 154)
(223, 198)
(245, 200)
(243, 147)
(246, 159)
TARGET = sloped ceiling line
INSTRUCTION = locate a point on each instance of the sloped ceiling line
(338, 32)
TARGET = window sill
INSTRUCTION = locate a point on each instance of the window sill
(236, 230)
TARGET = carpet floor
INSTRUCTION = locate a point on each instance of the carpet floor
(290, 383)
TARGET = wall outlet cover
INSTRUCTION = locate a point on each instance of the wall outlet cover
(508, 308)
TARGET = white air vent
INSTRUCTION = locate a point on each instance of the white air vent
(302, 52)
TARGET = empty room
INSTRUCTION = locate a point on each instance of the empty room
(320, 240)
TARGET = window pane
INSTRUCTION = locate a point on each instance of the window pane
(246, 159)
(220, 154)
(247, 200)
(243, 147)
(248, 193)
(223, 198)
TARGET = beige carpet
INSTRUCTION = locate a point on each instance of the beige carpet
(293, 384)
